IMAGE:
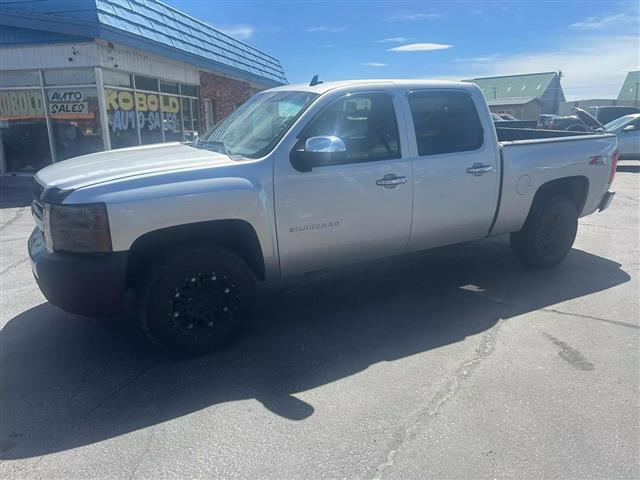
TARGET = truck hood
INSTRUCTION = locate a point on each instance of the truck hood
(116, 164)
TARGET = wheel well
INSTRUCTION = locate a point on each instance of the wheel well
(235, 235)
(574, 188)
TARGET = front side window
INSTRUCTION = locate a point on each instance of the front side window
(365, 122)
(445, 122)
(258, 124)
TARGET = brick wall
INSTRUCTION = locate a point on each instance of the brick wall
(226, 93)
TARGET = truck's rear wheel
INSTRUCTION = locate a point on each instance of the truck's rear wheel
(548, 234)
(197, 301)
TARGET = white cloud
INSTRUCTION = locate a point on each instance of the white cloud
(415, 16)
(374, 64)
(394, 40)
(488, 58)
(605, 21)
(420, 47)
(326, 28)
(241, 32)
(592, 66)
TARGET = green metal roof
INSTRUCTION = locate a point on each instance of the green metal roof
(515, 86)
(629, 90)
(495, 102)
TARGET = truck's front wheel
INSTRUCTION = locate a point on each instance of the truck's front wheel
(548, 234)
(197, 301)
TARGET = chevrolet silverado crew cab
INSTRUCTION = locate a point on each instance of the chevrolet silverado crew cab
(299, 178)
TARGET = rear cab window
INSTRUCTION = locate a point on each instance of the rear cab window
(445, 121)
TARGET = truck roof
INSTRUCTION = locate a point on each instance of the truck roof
(326, 86)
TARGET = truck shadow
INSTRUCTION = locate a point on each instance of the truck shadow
(69, 381)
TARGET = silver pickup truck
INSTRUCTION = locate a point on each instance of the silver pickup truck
(299, 178)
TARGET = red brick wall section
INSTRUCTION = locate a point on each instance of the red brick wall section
(226, 93)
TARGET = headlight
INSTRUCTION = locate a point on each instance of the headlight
(77, 228)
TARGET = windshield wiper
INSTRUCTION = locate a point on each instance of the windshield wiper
(214, 145)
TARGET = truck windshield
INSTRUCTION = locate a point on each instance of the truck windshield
(257, 125)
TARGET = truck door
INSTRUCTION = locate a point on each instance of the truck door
(356, 209)
(455, 167)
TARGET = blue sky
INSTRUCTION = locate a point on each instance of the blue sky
(594, 43)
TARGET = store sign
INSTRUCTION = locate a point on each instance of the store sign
(124, 104)
(68, 104)
(21, 105)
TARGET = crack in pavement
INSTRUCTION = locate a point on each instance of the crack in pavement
(619, 323)
(143, 455)
(12, 220)
(117, 389)
(418, 420)
(13, 265)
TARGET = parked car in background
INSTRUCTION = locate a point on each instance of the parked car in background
(301, 178)
(570, 123)
(627, 129)
(500, 121)
(608, 113)
(545, 119)
(507, 116)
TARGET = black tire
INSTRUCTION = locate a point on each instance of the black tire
(197, 301)
(548, 234)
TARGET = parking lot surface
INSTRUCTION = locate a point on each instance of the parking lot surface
(452, 363)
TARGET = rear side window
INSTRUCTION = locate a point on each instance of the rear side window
(366, 123)
(445, 122)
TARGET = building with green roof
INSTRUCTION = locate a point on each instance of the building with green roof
(525, 96)
(629, 94)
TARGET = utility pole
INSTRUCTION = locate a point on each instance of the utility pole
(556, 107)
(637, 86)
(495, 90)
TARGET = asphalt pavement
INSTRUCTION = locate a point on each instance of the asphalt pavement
(451, 363)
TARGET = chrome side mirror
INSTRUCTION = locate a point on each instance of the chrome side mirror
(328, 144)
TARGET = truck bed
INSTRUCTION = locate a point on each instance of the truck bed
(540, 156)
(506, 134)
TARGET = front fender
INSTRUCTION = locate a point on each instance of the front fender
(139, 206)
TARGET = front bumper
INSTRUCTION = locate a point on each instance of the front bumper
(606, 200)
(80, 283)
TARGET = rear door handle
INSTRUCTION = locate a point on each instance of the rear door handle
(390, 180)
(478, 169)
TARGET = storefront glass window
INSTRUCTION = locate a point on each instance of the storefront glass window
(75, 121)
(187, 120)
(19, 78)
(116, 79)
(146, 83)
(121, 114)
(171, 116)
(148, 105)
(168, 87)
(23, 130)
(70, 76)
(195, 108)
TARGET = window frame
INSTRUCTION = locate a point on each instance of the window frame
(445, 91)
(302, 136)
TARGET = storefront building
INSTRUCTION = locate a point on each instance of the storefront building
(114, 74)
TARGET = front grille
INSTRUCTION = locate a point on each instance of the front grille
(37, 190)
(37, 210)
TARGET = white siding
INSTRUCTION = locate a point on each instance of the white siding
(97, 54)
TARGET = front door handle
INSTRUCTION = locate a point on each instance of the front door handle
(390, 180)
(478, 169)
